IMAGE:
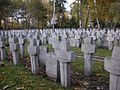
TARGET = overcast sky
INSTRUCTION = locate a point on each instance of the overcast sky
(68, 4)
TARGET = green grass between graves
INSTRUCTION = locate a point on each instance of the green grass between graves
(98, 68)
(99, 51)
(19, 78)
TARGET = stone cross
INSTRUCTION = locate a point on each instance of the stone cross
(112, 65)
(110, 40)
(15, 48)
(50, 39)
(64, 36)
(56, 46)
(88, 49)
(93, 35)
(43, 54)
(65, 57)
(33, 50)
(44, 37)
(52, 68)
(99, 38)
(52, 63)
(10, 44)
(72, 41)
(77, 39)
(37, 37)
(2, 48)
(117, 38)
(22, 47)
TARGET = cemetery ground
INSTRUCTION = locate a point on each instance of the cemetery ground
(20, 77)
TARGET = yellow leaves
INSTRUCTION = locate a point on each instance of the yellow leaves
(20, 88)
(42, 84)
(6, 87)
(102, 7)
(2, 77)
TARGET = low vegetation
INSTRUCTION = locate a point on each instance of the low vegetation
(20, 78)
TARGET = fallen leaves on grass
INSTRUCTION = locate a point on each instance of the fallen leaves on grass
(20, 88)
(6, 87)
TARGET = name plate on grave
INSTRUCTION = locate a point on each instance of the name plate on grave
(112, 66)
(65, 56)
(56, 45)
(12, 40)
(51, 65)
(88, 48)
(33, 50)
(110, 39)
(21, 41)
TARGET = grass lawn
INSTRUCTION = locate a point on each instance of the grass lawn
(19, 78)
(99, 51)
(98, 68)
(99, 80)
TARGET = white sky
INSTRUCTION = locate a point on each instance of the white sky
(68, 4)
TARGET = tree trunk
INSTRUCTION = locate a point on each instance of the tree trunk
(0, 24)
(38, 24)
(5, 25)
(80, 14)
(98, 24)
(87, 17)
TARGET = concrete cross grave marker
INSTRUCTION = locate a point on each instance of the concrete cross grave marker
(99, 38)
(65, 57)
(14, 48)
(43, 54)
(110, 40)
(33, 50)
(112, 65)
(2, 48)
(88, 49)
(52, 66)
(93, 35)
(117, 38)
(77, 39)
(22, 47)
